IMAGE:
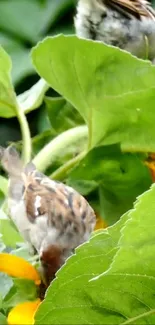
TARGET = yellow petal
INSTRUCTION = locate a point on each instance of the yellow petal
(100, 223)
(23, 313)
(18, 267)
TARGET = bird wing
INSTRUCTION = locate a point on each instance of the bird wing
(137, 8)
(65, 209)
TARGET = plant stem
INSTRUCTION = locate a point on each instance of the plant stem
(55, 148)
(134, 319)
(61, 172)
(26, 137)
(90, 130)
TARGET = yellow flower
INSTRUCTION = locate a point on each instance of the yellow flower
(17, 267)
(23, 313)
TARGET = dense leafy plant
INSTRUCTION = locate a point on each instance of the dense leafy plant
(96, 104)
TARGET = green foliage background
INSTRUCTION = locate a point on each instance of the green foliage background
(89, 122)
(23, 23)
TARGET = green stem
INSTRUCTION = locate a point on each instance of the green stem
(134, 319)
(26, 136)
(61, 172)
(90, 130)
(55, 148)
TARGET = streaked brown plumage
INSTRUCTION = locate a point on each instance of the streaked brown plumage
(52, 217)
(128, 24)
(137, 8)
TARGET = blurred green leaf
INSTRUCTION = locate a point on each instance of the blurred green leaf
(40, 140)
(3, 319)
(30, 19)
(111, 92)
(22, 66)
(2, 246)
(53, 10)
(67, 29)
(43, 120)
(3, 185)
(121, 177)
(22, 290)
(62, 115)
(7, 96)
(6, 284)
(25, 17)
(23, 252)
(10, 235)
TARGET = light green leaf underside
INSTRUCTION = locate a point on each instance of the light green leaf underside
(8, 104)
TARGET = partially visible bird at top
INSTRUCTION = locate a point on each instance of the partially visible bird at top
(53, 218)
(127, 24)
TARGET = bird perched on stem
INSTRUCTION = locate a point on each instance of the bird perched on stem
(52, 217)
(127, 24)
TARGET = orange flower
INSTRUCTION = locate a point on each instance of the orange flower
(17, 267)
(150, 163)
(23, 313)
(100, 223)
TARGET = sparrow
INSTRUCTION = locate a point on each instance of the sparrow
(52, 217)
(127, 24)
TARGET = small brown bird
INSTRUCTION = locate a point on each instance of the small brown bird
(127, 24)
(52, 217)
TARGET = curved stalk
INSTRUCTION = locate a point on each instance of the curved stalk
(62, 172)
(26, 137)
(55, 148)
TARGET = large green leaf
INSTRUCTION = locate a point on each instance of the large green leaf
(123, 293)
(8, 102)
(113, 90)
(67, 291)
(19, 54)
(121, 177)
(131, 274)
(28, 101)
